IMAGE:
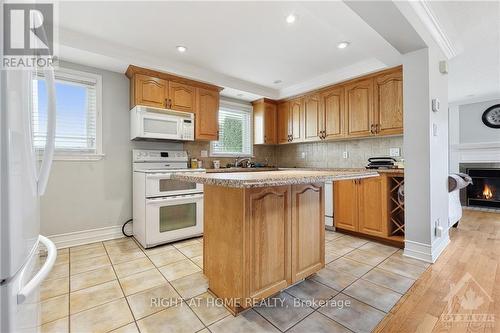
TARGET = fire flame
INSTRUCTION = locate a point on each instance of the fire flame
(487, 193)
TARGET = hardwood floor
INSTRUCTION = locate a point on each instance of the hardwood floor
(468, 272)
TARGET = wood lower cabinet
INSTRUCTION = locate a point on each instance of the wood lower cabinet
(207, 115)
(261, 240)
(388, 106)
(264, 120)
(182, 97)
(269, 240)
(361, 205)
(359, 108)
(149, 91)
(307, 229)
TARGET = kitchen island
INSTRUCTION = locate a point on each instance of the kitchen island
(263, 231)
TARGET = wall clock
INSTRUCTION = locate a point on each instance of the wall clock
(491, 117)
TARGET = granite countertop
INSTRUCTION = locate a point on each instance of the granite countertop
(273, 178)
(226, 170)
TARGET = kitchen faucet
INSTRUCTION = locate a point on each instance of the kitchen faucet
(240, 160)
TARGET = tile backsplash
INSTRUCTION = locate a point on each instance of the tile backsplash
(314, 155)
(330, 154)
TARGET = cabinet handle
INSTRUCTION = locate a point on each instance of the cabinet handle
(372, 129)
(166, 103)
(377, 128)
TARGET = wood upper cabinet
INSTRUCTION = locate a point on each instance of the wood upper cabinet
(283, 124)
(359, 108)
(345, 194)
(265, 121)
(269, 240)
(295, 119)
(182, 97)
(149, 91)
(207, 115)
(389, 102)
(332, 112)
(307, 228)
(372, 206)
(312, 118)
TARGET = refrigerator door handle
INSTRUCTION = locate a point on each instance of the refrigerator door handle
(48, 153)
(42, 273)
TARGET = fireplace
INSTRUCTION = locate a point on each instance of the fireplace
(485, 190)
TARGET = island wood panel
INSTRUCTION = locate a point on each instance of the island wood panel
(312, 115)
(359, 108)
(182, 97)
(283, 122)
(223, 239)
(345, 193)
(372, 206)
(389, 102)
(268, 226)
(207, 115)
(149, 91)
(308, 230)
(332, 108)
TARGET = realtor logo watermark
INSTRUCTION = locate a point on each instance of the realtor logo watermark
(28, 35)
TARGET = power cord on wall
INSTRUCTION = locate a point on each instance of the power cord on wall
(123, 228)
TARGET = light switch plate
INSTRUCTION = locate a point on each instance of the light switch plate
(435, 104)
(204, 153)
(394, 152)
(345, 154)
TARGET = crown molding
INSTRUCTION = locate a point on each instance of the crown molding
(433, 25)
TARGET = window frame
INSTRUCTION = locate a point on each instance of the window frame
(68, 155)
(241, 107)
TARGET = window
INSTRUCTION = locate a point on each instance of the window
(78, 114)
(235, 132)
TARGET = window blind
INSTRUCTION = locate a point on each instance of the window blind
(76, 113)
(235, 137)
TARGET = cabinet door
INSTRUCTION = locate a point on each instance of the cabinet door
(345, 212)
(270, 136)
(207, 115)
(295, 119)
(182, 97)
(268, 240)
(150, 91)
(312, 116)
(372, 202)
(283, 123)
(308, 230)
(258, 122)
(389, 102)
(332, 106)
(359, 108)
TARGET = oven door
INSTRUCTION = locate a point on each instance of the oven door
(160, 185)
(173, 218)
(158, 126)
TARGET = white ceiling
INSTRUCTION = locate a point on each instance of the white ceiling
(244, 46)
(475, 27)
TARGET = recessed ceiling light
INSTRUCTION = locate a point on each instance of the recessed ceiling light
(181, 48)
(343, 45)
(277, 81)
(291, 18)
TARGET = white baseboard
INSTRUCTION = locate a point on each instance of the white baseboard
(426, 252)
(86, 236)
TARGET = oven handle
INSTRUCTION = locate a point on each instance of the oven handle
(173, 199)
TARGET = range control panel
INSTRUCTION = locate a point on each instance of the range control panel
(145, 155)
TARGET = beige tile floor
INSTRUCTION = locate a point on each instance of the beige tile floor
(117, 286)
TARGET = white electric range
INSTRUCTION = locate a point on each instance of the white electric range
(164, 209)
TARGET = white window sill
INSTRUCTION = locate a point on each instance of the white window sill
(76, 157)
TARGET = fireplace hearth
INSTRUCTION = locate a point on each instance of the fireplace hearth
(485, 190)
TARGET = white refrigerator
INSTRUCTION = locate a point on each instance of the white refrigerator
(23, 178)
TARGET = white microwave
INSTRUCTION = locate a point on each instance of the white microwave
(154, 123)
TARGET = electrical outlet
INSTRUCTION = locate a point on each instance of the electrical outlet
(204, 153)
(438, 228)
(394, 152)
(435, 130)
(303, 155)
(345, 154)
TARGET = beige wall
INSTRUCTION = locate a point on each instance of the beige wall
(329, 154)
